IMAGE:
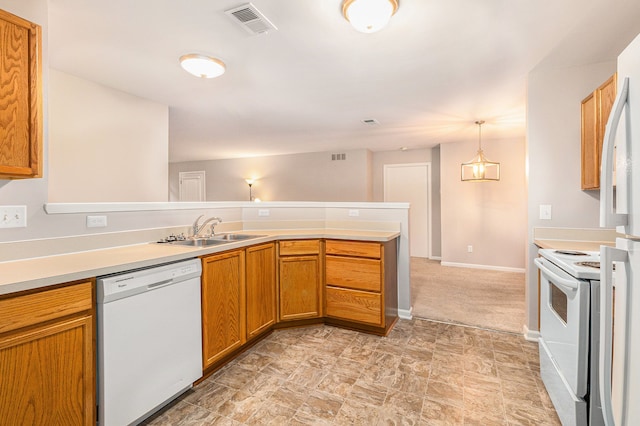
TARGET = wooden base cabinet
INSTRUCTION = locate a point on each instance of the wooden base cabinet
(261, 289)
(361, 284)
(47, 357)
(223, 305)
(300, 280)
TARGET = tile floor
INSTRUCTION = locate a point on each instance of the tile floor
(423, 373)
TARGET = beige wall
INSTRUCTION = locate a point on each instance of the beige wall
(553, 149)
(490, 216)
(105, 145)
(295, 177)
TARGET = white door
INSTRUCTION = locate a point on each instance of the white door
(192, 186)
(411, 183)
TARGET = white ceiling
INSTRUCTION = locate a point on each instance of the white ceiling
(439, 66)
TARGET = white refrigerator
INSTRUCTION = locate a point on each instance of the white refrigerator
(620, 207)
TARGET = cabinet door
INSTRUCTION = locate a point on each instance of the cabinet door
(300, 287)
(261, 289)
(47, 374)
(223, 316)
(590, 161)
(20, 98)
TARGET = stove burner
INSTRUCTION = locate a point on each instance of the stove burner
(571, 252)
(589, 264)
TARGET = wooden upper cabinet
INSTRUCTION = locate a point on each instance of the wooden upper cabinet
(595, 112)
(20, 98)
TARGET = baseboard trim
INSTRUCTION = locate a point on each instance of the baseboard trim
(487, 267)
(405, 313)
(435, 258)
(530, 335)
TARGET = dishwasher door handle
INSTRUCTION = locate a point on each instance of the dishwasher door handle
(160, 284)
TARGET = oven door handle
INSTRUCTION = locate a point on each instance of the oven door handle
(567, 284)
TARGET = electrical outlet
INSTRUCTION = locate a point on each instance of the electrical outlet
(545, 211)
(354, 213)
(13, 216)
(263, 212)
(469, 249)
(96, 221)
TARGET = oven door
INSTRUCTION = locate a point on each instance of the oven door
(564, 324)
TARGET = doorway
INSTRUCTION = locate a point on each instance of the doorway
(412, 183)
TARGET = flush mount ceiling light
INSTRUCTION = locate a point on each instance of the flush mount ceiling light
(369, 16)
(202, 66)
(479, 169)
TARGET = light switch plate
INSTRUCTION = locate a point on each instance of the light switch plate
(545, 211)
(13, 216)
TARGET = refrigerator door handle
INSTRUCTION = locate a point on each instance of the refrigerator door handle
(608, 217)
(608, 255)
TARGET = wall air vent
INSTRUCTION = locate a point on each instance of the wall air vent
(250, 18)
(338, 157)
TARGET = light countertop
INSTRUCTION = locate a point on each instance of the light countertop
(572, 245)
(40, 272)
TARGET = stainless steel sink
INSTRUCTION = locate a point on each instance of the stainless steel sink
(214, 240)
(235, 237)
(199, 242)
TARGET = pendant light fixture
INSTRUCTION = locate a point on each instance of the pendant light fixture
(202, 66)
(479, 169)
(369, 16)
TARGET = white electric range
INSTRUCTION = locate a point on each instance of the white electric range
(569, 333)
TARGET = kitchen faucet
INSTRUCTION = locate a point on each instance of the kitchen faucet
(197, 228)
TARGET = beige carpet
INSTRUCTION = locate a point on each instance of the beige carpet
(487, 299)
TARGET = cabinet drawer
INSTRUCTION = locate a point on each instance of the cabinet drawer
(361, 274)
(354, 305)
(296, 247)
(22, 311)
(353, 248)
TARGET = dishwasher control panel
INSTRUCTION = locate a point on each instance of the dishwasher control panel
(118, 286)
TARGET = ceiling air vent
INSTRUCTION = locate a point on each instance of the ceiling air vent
(250, 18)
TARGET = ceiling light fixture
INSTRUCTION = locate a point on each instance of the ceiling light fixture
(369, 16)
(479, 169)
(202, 66)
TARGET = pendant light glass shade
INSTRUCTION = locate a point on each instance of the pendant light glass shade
(202, 66)
(479, 169)
(369, 16)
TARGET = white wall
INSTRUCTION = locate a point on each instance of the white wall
(490, 216)
(295, 177)
(104, 144)
(553, 149)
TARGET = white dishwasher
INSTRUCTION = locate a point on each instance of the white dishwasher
(149, 340)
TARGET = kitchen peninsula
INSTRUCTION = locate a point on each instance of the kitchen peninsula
(50, 296)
